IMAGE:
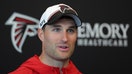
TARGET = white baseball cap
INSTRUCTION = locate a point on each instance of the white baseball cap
(54, 12)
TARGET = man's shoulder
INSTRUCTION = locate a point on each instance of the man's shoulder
(26, 67)
(32, 66)
(22, 70)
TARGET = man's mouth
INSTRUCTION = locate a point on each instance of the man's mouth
(63, 48)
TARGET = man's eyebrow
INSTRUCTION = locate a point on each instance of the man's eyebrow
(73, 27)
(55, 25)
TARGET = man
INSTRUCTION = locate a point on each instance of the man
(58, 33)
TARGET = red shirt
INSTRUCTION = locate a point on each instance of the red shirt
(35, 66)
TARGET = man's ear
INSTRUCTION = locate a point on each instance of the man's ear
(41, 34)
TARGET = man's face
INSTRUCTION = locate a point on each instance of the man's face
(59, 39)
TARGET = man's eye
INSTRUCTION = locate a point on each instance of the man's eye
(71, 30)
(56, 29)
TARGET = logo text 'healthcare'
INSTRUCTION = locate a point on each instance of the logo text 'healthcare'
(103, 34)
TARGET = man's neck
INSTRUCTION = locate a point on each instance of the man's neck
(52, 62)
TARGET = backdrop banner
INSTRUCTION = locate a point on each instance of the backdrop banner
(104, 40)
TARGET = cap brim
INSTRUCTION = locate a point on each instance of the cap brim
(58, 15)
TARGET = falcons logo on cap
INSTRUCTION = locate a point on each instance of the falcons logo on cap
(22, 26)
(63, 8)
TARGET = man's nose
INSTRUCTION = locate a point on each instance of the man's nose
(65, 37)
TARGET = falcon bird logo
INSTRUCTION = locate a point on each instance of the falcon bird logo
(63, 8)
(22, 26)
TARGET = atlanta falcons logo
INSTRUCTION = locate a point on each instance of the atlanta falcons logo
(22, 26)
(63, 8)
